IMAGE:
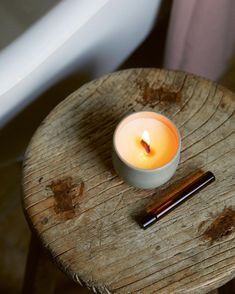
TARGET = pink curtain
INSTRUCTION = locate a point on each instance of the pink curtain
(201, 36)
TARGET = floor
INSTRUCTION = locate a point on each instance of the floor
(14, 138)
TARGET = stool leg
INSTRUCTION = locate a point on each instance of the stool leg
(39, 273)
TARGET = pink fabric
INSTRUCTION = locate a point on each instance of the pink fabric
(201, 36)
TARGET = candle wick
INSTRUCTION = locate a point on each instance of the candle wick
(145, 145)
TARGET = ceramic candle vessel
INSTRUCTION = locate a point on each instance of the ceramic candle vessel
(146, 149)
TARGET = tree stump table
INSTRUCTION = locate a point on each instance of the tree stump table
(84, 214)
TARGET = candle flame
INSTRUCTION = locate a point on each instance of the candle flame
(145, 137)
(145, 141)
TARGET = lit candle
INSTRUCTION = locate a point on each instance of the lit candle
(146, 149)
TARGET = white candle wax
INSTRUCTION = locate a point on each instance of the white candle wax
(152, 163)
(163, 143)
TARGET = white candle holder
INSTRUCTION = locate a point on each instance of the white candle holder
(146, 178)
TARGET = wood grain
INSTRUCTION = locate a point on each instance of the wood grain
(84, 214)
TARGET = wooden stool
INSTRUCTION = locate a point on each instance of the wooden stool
(84, 214)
